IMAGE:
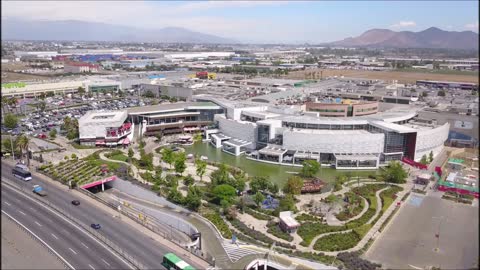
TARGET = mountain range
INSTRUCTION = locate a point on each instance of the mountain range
(73, 30)
(430, 38)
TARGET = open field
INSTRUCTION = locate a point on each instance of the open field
(401, 76)
(14, 77)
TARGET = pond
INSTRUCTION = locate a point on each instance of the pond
(276, 173)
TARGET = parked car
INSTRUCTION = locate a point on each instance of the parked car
(76, 202)
(96, 226)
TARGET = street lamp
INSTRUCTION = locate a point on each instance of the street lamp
(437, 235)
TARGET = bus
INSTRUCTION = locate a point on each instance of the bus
(22, 174)
(171, 261)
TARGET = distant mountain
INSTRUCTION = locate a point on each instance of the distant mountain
(71, 30)
(429, 38)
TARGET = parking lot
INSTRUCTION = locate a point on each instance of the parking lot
(39, 123)
(410, 242)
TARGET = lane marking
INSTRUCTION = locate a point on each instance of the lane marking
(106, 262)
(54, 236)
(43, 242)
(7, 203)
(84, 244)
(72, 224)
(38, 224)
(73, 251)
(22, 213)
(91, 267)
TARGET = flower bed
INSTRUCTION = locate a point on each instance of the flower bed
(309, 230)
(338, 241)
(359, 205)
(257, 215)
(257, 235)
(307, 218)
(275, 230)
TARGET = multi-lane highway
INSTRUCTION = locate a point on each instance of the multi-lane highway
(138, 245)
(77, 248)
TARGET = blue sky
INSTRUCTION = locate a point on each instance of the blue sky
(262, 21)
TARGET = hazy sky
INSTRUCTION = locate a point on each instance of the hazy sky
(261, 21)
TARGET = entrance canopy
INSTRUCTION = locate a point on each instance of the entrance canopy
(99, 182)
(272, 151)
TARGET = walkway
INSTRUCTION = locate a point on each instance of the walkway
(135, 171)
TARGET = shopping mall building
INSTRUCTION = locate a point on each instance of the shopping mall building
(352, 136)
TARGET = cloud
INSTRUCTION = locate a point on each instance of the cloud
(404, 24)
(472, 26)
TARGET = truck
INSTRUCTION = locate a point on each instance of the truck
(39, 190)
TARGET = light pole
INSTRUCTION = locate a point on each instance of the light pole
(437, 235)
(11, 144)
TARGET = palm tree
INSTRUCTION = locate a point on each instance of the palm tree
(22, 144)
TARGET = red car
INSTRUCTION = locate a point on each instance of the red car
(42, 136)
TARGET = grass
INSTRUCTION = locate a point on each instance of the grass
(78, 146)
(119, 157)
(338, 241)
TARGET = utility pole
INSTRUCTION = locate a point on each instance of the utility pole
(11, 144)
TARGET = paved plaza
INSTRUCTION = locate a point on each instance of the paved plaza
(409, 241)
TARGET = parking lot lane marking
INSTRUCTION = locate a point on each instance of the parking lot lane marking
(38, 224)
(91, 267)
(106, 262)
(54, 236)
(22, 213)
(84, 244)
(73, 251)
(7, 203)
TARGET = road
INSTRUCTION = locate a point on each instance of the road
(79, 249)
(134, 242)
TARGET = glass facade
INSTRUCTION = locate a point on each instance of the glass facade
(263, 135)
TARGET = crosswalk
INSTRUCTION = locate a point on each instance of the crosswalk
(236, 252)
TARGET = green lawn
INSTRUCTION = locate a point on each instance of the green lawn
(119, 157)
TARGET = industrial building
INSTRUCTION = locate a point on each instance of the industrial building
(447, 85)
(80, 67)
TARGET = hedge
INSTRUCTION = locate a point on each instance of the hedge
(307, 217)
(321, 257)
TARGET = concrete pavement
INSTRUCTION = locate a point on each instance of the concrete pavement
(21, 251)
(77, 248)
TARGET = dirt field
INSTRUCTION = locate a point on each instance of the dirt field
(15, 77)
(402, 77)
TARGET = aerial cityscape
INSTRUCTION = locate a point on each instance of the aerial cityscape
(242, 135)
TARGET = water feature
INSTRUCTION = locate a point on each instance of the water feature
(276, 173)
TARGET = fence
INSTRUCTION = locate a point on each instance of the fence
(23, 228)
(132, 260)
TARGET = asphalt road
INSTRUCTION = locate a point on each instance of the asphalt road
(135, 243)
(77, 247)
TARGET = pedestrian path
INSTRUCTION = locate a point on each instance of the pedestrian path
(235, 251)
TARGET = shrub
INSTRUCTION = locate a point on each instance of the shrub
(353, 261)
(219, 223)
(257, 215)
(306, 217)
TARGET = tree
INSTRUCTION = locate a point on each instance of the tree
(201, 167)
(197, 137)
(259, 183)
(81, 90)
(53, 133)
(425, 94)
(424, 160)
(293, 186)
(430, 156)
(188, 180)
(441, 93)
(130, 153)
(172, 181)
(42, 105)
(393, 173)
(179, 163)
(224, 193)
(7, 146)
(287, 203)
(149, 94)
(73, 156)
(22, 144)
(175, 196)
(258, 198)
(10, 121)
(193, 200)
(310, 168)
(168, 156)
(220, 176)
